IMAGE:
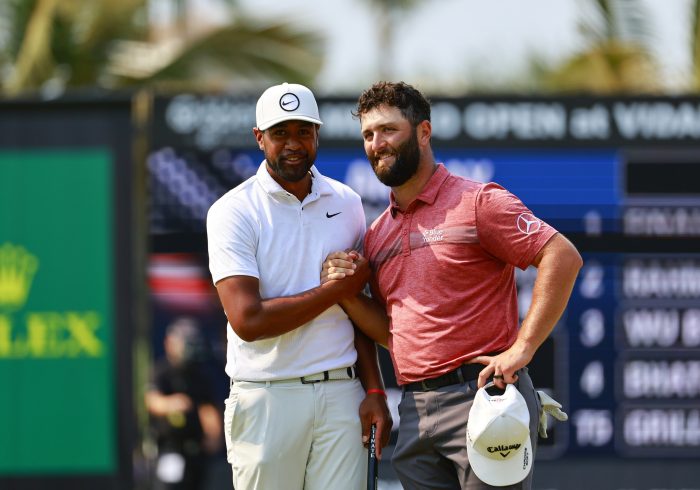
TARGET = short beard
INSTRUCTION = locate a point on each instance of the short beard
(290, 173)
(405, 166)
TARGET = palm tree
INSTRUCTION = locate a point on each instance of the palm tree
(108, 44)
(695, 44)
(388, 13)
(617, 57)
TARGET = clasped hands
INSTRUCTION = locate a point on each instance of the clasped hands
(348, 264)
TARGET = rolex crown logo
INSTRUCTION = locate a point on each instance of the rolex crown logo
(17, 269)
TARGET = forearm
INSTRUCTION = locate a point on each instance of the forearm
(160, 405)
(367, 362)
(369, 316)
(373, 409)
(557, 271)
(210, 420)
(276, 316)
(156, 403)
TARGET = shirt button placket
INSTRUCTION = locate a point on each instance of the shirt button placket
(406, 234)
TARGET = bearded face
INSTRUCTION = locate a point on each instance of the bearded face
(405, 156)
(290, 149)
(290, 166)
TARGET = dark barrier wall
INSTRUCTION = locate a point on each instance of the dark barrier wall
(68, 311)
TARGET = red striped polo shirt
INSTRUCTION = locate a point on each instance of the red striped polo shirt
(445, 270)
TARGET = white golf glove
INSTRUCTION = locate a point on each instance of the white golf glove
(552, 407)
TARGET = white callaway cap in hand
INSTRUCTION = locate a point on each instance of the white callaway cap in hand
(498, 437)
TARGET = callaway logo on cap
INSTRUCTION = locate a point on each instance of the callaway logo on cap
(288, 101)
(498, 437)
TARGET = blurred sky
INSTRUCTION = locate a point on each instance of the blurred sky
(442, 42)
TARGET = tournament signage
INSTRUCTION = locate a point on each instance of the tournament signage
(57, 402)
(208, 122)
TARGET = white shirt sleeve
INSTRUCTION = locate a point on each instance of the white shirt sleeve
(232, 239)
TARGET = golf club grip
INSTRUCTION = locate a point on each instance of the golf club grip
(372, 463)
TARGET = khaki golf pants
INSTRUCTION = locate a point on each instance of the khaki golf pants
(293, 436)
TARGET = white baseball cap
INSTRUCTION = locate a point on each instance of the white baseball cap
(286, 102)
(498, 437)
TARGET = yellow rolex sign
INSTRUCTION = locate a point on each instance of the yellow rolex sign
(57, 395)
(17, 269)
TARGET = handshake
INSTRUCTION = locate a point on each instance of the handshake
(350, 268)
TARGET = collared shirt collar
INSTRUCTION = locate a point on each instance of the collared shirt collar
(429, 192)
(319, 186)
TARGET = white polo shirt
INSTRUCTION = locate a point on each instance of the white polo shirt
(259, 229)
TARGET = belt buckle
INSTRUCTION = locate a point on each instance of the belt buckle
(425, 386)
(305, 381)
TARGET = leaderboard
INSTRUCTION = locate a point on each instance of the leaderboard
(634, 326)
(634, 318)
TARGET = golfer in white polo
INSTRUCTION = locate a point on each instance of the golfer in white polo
(297, 415)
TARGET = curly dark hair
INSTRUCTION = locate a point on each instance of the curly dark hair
(412, 104)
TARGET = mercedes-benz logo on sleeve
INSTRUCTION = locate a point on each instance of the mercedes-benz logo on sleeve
(289, 102)
(528, 224)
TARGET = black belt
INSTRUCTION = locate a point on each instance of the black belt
(464, 373)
